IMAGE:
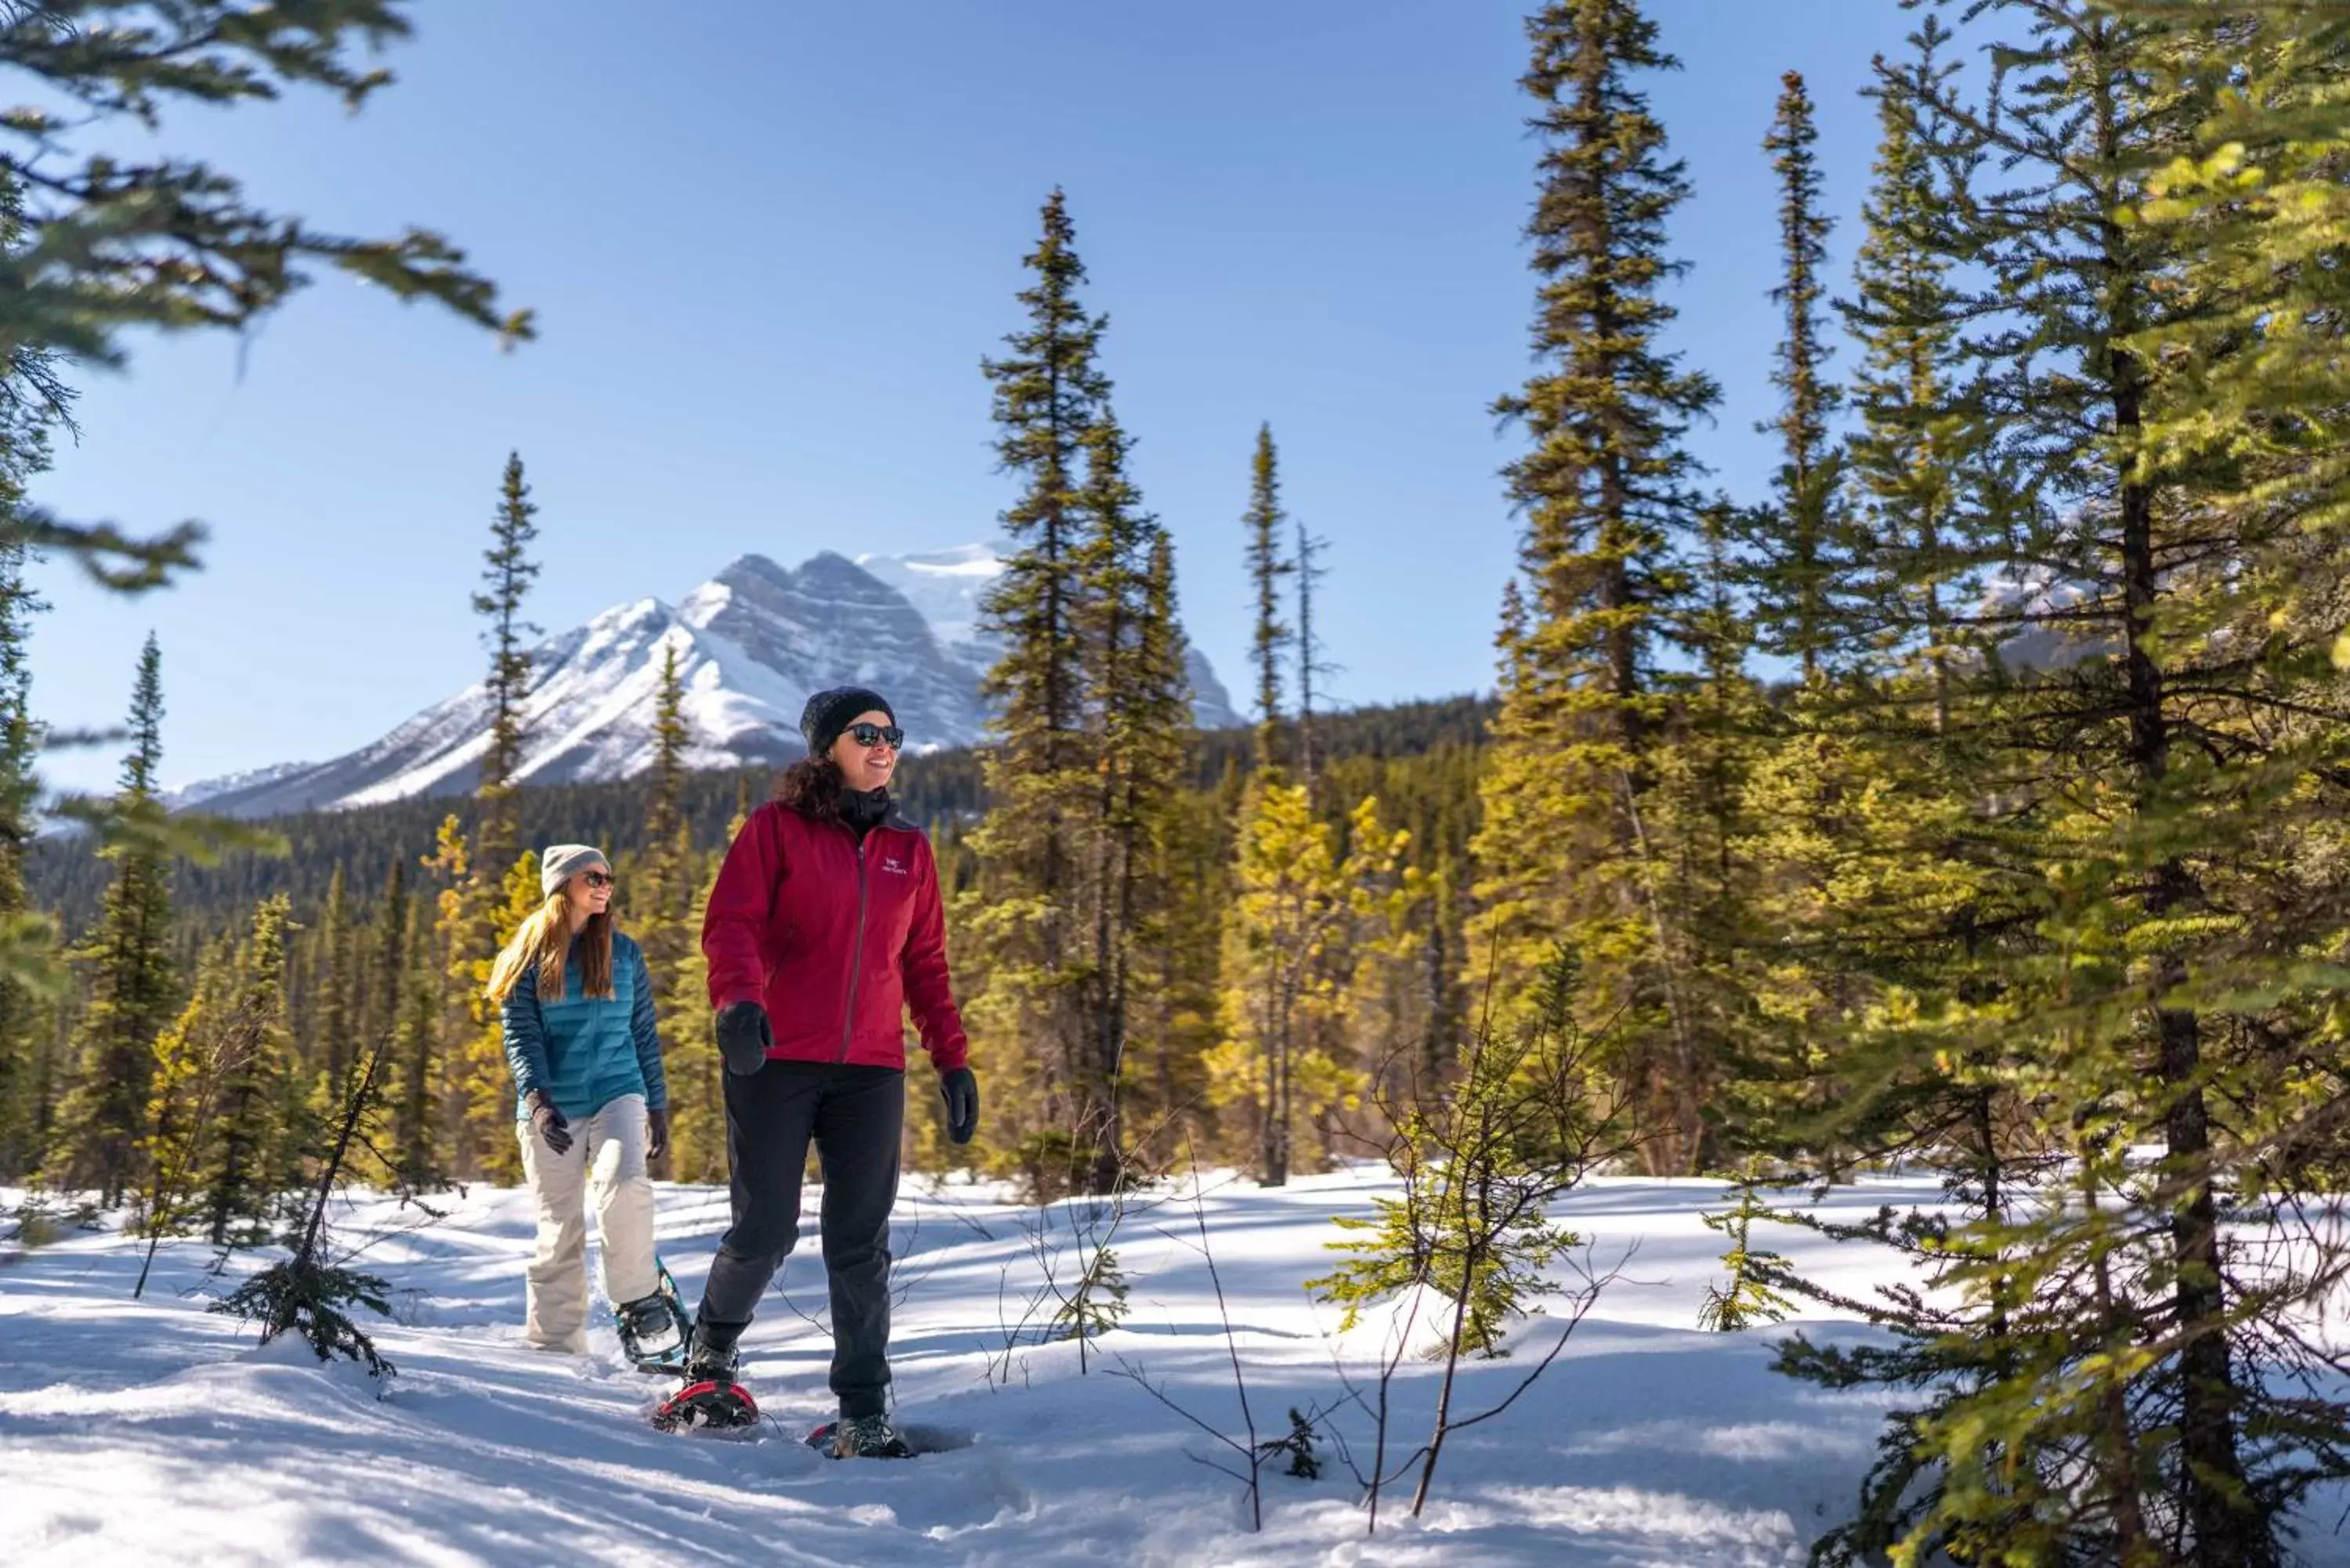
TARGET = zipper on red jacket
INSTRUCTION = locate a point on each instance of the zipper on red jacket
(856, 951)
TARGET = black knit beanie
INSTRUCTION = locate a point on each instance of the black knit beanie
(827, 713)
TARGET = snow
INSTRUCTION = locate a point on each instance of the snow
(154, 1432)
(187, 797)
(946, 586)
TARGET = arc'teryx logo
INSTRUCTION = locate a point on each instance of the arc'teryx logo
(892, 863)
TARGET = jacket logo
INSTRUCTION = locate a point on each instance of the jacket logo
(892, 863)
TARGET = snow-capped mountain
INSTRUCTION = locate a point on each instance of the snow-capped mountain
(751, 644)
(946, 586)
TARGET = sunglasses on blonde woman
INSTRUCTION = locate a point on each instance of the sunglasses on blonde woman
(598, 878)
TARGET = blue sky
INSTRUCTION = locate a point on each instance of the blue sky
(768, 244)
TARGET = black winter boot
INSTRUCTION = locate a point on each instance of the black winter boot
(712, 1356)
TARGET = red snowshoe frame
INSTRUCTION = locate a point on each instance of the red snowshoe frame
(707, 1407)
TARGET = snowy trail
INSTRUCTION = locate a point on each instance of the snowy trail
(153, 1432)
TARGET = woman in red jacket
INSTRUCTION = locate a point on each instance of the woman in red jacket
(825, 927)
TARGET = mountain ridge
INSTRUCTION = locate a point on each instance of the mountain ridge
(751, 644)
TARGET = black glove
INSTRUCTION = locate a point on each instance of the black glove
(743, 1037)
(657, 1132)
(961, 1092)
(548, 1123)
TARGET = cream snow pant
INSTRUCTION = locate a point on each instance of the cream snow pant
(607, 1153)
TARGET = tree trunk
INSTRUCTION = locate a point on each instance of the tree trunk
(2224, 1532)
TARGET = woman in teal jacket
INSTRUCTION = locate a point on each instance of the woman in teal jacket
(591, 1100)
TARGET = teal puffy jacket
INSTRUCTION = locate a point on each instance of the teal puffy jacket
(587, 1051)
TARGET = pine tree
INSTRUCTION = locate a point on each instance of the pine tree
(27, 938)
(457, 969)
(1176, 981)
(1912, 458)
(193, 1057)
(32, 403)
(1266, 567)
(132, 989)
(1724, 885)
(1025, 918)
(1137, 706)
(1482, 1160)
(665, 886)
(1853, 808)
(661, 904)
(1577, 744)
(1309, 649)
(488, 1087)
(2107, 1387)
(242, 1151)
(696, 1074)
(1303, 911)
(405, 1016)
(337, 983)
(1794, 569)
(1751, 1295)
(507, 574)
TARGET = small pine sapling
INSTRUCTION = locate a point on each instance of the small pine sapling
(1748, 1298)
(306, 1293)
(1298, 1444)
(1483, 1158)
(1095, 1303)
(314, 1299)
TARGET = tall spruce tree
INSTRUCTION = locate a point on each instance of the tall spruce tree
(2158, 737)
(1266, 567)
(132, 987)
(1862, 808)
(1913, 564)
(480, 912)
(1605, 492)
(1793, 570)
(1026, 916)
(506, 574)
(1137, 712)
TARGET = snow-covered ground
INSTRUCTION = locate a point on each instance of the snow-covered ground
(153, 1432)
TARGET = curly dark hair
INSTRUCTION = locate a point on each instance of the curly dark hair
(812, 787)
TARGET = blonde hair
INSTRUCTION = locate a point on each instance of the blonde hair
(543, 941)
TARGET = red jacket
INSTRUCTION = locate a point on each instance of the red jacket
(836, 940)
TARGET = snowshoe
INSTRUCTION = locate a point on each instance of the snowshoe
(860, 1437)
(655, 1329)
(708, 1405)
(711, 1400)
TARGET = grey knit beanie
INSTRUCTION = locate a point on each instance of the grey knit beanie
(558, 863)
(827, 713)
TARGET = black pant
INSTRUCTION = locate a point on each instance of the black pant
(856, 1114)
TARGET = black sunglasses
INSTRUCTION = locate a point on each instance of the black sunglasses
(876, 734)
(597, 878)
